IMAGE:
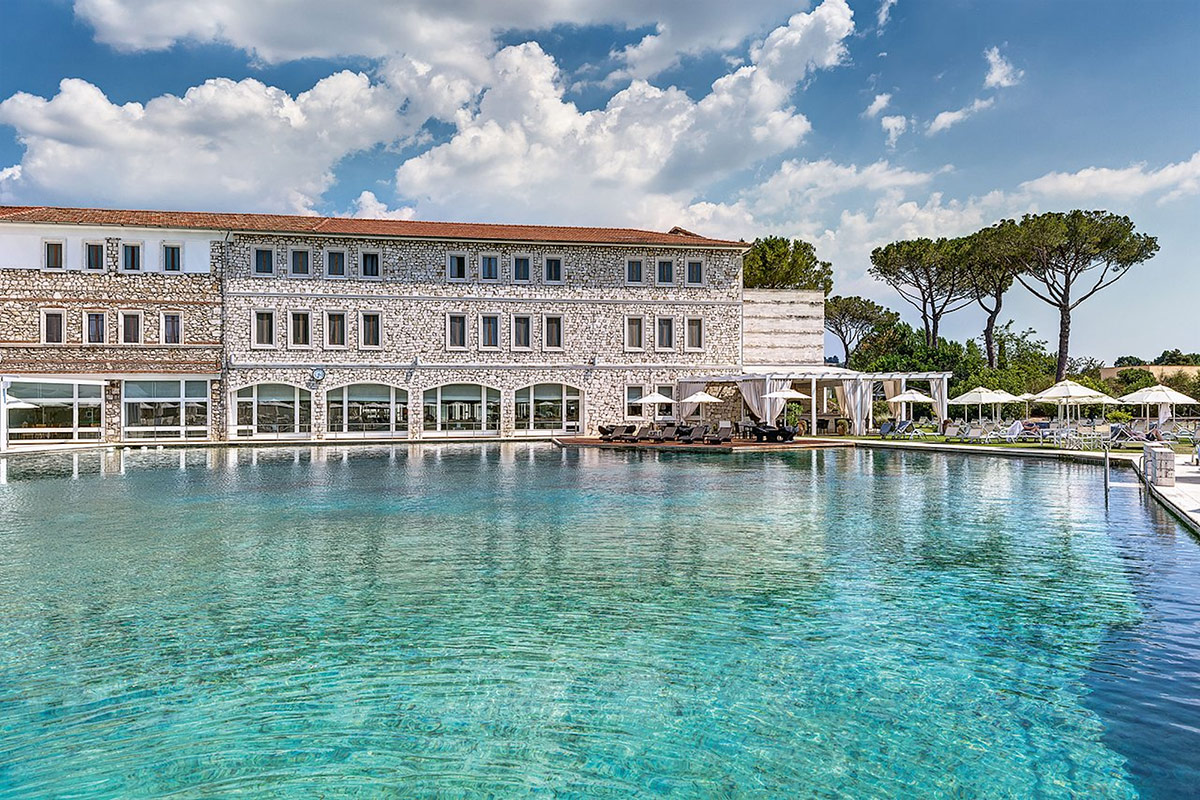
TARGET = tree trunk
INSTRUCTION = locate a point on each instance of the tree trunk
(1064, 340)
(846, 347)
(989, 336)
(932, 335)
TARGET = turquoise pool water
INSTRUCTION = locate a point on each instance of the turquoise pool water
(519, 620)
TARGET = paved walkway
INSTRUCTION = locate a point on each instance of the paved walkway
(1184, 496)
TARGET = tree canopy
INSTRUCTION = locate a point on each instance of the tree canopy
(929, 274)
(777, 263)
(1065, 258)
(990, 271)
(852, 318)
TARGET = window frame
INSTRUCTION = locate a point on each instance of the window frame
(562, 269)
(658, 347)
(499, 331)
(687, 272)
(254, 343)
(254, 273)
(291, 262)
(325, 263)
(291, 328)
(87, 245)
(512, 329)
(641, 261)
(630, 348)
(329, 312)
(528, 275)
(482, 279)
(658, 262)
(122, 315)
(42, 313)
(162, 254)
(62, 255)
(641, 407)
(162, 327)
(83, 337)
(368, 251)
(466, 345)
(687, 346)
(562, 333)
(362, 315)
(466, 267)
(140, 246)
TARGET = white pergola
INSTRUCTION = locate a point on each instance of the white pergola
(855, 390)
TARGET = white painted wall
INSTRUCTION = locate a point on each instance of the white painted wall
(21, 245)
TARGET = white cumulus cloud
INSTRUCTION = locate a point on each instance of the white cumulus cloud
(1170, 182)
(948, 119)
(893, 126)
(1001, 73)
(883, 15)
(877, 105)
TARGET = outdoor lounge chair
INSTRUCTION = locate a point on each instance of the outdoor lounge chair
(722, 435)
(643, 433)
(696, 435)
(952, 431)
(885, 429)
(908, 430)
(976, 434)
(614, 432)
(667, 434)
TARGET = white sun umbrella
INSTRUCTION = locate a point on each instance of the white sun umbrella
(1025, 397)
(978, 396)
(909, 396)
(1069, 393)
(19, 404)
(1166, 398)
(786, 394)
(702, 398)
(657, 398)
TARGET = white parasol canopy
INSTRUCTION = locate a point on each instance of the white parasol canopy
(980, 395)
(655, 399)
(1166, 398)
(910, 396)
(1069, 393)
(17, 403)
(787, 394)
(702, 397)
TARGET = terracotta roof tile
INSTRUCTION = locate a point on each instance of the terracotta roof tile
(281, 223)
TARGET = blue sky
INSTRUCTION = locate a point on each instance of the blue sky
(846, 123)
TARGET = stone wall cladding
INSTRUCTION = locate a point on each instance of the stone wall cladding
(783, 326)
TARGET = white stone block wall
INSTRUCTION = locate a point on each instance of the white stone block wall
(783, 326)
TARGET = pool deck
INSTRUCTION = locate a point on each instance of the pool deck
(738, 445)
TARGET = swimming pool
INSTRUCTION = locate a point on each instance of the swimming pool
(519, 619)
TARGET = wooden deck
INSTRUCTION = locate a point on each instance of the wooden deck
(740, 445)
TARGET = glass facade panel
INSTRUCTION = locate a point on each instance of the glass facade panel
(45, 411)
(273, 409)
(462, 408)
(165, 409)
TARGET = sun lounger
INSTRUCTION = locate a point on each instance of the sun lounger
(953, 432)
(643, 433)
(723, 434)
(615, 431)
(696, 436)
(667, 434)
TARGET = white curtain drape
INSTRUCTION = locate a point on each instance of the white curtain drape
(686, 389)
(1164, 413)
(941, 400)
(753, 391)
(852, 390)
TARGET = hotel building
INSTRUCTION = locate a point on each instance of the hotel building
(135, 326)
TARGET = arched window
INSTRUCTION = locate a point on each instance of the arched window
(554, 407)
(366, 409)
(273, 409)
(462, 408)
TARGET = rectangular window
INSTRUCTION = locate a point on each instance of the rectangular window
(633, 270)
(172, 327)
(131, 327)
(93, 256)
(54, 255)
(521, 269)
(264, 329)
(489, 332)
(664, 409)
(301, 329)
(634, 409)
(335, 329)
(53, 327)
(489, 268)
(666, 271)
(664, 333)
(522, 332)
(456, 331)
(131, 258)
(695, 273)
(456, 267)
(693, 334)
(369, 265)
(635, 333)
(264, 261)
(370, 330)
(172, 258)
(94, 327)
(554, 269)
(300, 263)
(335, 264)
(552, 332)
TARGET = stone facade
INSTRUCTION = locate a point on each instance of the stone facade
(783, 326)
(220, 294)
